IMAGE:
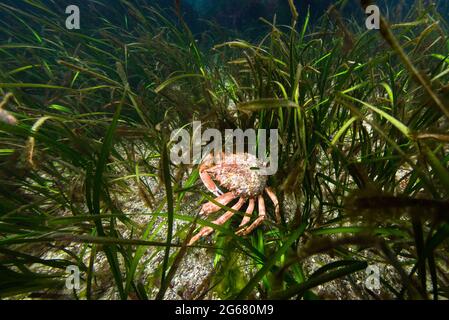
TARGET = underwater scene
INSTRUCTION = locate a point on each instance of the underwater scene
(224, 150)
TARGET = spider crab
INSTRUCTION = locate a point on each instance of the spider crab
(238, 174)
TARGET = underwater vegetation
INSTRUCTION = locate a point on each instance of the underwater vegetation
(87, 182)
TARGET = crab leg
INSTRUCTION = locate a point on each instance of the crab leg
(275, 200)
(258, 221)
(221, 220)
(210, 207)
(249, 212)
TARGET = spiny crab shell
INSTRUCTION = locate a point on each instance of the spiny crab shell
(237, 172)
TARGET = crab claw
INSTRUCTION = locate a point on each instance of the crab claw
(208, 182)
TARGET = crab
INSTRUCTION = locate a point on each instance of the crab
(238, 173)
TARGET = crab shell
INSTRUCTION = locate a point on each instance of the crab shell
(241, 175)
(238, 173)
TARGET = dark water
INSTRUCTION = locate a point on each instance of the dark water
(243, 16)
(243, 13)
